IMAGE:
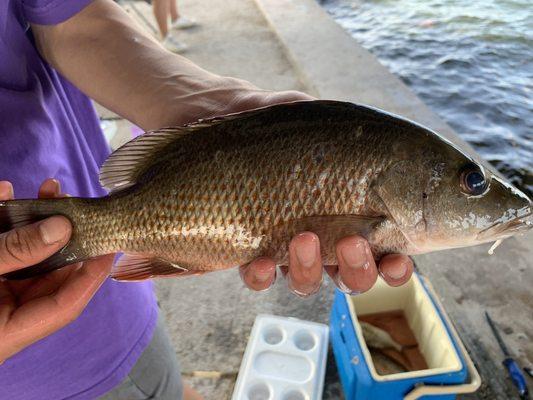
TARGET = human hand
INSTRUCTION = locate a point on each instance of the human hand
(356, 273)
(34, 308)
(237, 95)
(215, 96)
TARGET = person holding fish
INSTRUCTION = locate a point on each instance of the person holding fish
(190, 199)
(73, 333)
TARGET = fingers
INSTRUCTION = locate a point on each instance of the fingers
(396, 269)
(42, 316)
(81, 285)
(28, 245)
(260, 274)
(49, 189)
(6, 191)
(55, 299)
(357, 270)
(22, 247)
(305, 264)
(287, 97)
(42, 285)
(257, 98)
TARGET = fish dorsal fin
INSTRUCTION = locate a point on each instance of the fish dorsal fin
(128, 163)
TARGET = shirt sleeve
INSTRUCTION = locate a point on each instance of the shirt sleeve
(51, 12)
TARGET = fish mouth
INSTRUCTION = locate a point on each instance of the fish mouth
(504, 229)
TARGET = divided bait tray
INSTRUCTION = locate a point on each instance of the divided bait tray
(285, 360)
(450, 370)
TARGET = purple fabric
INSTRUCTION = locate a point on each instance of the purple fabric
(49, 129)
(136, 131)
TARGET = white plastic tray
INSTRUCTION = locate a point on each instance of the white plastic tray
(285, 360)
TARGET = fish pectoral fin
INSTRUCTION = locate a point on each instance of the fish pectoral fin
(337, 226)
(138, 267)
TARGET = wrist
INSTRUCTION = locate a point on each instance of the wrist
(189, 98)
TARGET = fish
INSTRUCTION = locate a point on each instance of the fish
(378, 338)
(221, 192)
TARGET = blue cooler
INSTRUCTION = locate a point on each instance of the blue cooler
(449, 365)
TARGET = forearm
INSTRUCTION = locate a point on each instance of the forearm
(104, 53)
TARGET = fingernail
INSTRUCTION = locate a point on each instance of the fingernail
(306, 252)
(54, 229)
(396, 272)
(57, 189)
(302, 292)
(356, 257)
(11, 192)
(262, 276)
(345, 289)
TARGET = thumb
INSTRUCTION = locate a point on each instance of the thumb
(30, 244)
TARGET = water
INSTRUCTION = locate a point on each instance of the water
(470, 61)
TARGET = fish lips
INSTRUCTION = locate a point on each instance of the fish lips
(505, 229)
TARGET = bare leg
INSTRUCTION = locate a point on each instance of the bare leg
(161, 9)
(190, 394)
(174, 14)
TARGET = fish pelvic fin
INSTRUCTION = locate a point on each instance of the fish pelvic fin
(138, 267)
(17, 213)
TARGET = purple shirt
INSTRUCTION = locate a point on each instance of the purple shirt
(48, 128)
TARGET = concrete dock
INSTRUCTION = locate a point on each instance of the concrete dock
(294, 44)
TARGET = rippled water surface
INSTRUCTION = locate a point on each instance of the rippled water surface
(471, 61)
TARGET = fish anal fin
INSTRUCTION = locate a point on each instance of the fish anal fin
(138, 267)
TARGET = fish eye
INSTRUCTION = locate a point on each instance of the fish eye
(473, 181)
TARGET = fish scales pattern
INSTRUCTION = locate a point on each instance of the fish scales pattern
(216, 205)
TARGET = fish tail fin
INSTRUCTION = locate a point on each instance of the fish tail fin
(17, 213)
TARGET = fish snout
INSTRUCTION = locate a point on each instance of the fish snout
(503, 229)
